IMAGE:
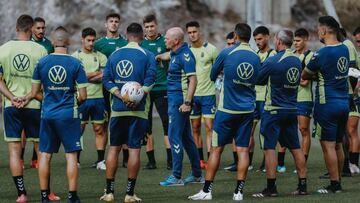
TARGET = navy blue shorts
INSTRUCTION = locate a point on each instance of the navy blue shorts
(53, 132)
(280, 126)
(305, 108)
(259, 110)
(127, 130)
(331, 119)
(16, 120)
(204, 106)
(232, 126)
(93, 110)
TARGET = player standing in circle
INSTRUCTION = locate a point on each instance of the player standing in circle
(155, 43)
(128, 121)
(94, 107)
(107, 45)
(60, 76)
(204, 105)
(18, 59)
(330, 65)
(234, 118)
(279, 123)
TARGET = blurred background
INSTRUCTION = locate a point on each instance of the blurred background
(217, 17)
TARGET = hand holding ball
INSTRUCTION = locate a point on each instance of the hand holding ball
(132, 92)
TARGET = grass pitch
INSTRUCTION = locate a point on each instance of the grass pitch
(92, 181)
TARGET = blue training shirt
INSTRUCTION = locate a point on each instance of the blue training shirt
(130, 63)
(331, 64)
(60, 75)
(241, 67)
(281, 73)
(182, 64)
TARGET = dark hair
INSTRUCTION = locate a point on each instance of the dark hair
(39, 20)
(230, 35)
(192, 24)
(149, 18)
(24, 23)
(301, 32)
(331, 23)
(88, 32)
(356, 31)
(135, 30)
(261, 30)
(243, 31)
(112, 15)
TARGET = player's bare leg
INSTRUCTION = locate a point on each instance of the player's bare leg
(300, 163)
(352, 126)
(196, 129)
(100, 143)
(209, 124)
(304, 127)
(72, 171)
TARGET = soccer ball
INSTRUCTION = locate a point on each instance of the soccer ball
(132, 92)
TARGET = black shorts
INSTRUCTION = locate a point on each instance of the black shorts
(161, 103)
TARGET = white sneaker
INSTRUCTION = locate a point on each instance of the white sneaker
(238, 197)
(78, 165)
(101, 165)
(251, 167)
(201, 196)
(354, 168)
(295, 171)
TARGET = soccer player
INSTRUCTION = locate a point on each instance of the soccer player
(230, 41)
(18, 59)
(94, 107)
(180, 97)
(204, 101)
(304, 98)
(351, 143)
(234, 117)
(331, 107)
(279, 119)
(128, 121)
(107, 45)
(38, 34)
(261, 36)
(60, 76)
(155, 43)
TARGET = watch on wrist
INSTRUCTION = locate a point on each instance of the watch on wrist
(188, 103)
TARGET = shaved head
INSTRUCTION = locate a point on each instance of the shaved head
(60, 37)
(174, 38)
(176, 33)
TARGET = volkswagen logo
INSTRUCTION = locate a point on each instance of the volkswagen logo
(21, 62)
(245, 70)
(293, 75)
(57, 74)
(124, 68)
(342, 64)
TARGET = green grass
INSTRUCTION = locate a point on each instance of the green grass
(92, 182)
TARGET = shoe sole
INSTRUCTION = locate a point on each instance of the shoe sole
(173, 185)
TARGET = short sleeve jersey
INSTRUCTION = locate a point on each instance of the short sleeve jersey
(108, 45)
(157, 46)
(18, 60)
(60, 75)
(205, 57)
(92, 62)
(305, 92)
(331, 65)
